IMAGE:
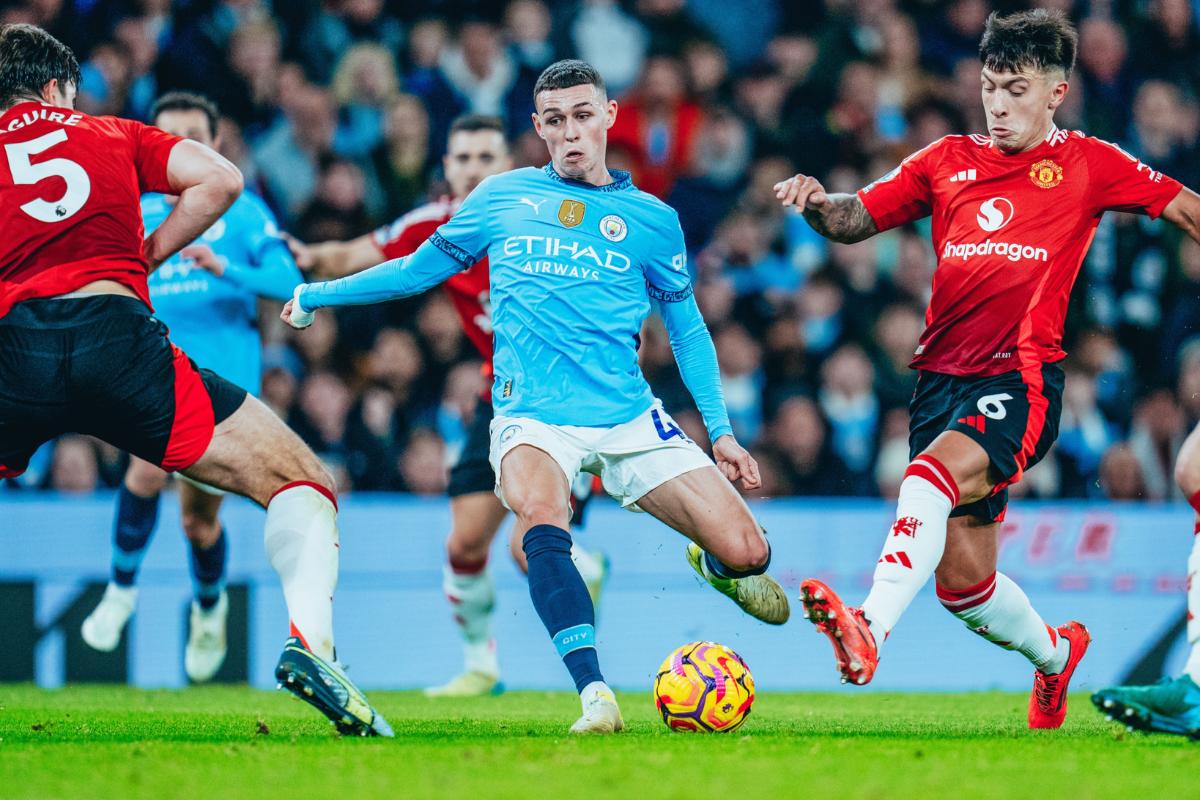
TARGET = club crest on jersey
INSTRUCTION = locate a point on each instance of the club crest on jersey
(570, 213)
(1046, 174)
(613, 228)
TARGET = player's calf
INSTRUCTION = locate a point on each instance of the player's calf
(254, 454)
(997, 609)
(914, 546)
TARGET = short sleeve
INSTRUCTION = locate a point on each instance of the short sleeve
(667, 277)
(905, 194)
(465, 236)
(151, 150)
(1120, 182)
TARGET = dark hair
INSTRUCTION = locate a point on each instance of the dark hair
(469, 123)
(29, 59)
(565, 74)
(187, 101)
(1038, 39)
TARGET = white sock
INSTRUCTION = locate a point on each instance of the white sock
(472, 596)
(301, 539)
(594, 690)
(1000, 612)
(914, 546)
(590, 567)
(1193, 605)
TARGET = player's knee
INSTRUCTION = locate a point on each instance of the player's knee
(200, 530)
(1187, 475)
(538, 511)
(145, 480)
(749, 552)
(311, 470)
(466, 549)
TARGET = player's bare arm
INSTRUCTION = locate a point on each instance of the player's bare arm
(329, 260)
(1184, 212)
(839, 217)
(207, 184)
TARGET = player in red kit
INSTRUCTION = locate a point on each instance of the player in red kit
(80, 351)
(1013, 214)
(475, 149)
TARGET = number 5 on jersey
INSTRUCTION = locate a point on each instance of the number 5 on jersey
(25, 172)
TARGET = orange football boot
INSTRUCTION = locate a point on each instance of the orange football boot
(847, 629)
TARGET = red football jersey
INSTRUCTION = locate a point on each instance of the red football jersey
(1010, 233)
(468, 290)
(70, 186)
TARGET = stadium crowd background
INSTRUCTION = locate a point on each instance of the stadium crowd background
(337, 113)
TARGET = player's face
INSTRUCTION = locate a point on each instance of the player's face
(187, 123)
(472, 156)
(1020, 106)
(574, 123)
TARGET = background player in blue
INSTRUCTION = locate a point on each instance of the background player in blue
(577, 254)
(207, 295)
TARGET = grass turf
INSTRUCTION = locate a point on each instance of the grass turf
(230, 743)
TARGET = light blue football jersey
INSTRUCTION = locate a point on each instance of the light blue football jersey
(573, 270)
(215, 320)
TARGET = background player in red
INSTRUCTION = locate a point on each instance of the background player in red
(1013, 215)
(80, 351)
(476, 148)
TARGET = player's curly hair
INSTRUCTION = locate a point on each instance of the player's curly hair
(565, 74)
(29, 59)
(1038, 39)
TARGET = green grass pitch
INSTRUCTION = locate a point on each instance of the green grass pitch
(230, 743)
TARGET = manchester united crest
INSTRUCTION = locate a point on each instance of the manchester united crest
(570, 213)
(1046, 174)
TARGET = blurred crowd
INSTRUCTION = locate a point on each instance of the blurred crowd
(337, 112)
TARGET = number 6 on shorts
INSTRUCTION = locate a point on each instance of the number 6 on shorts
(992, 405)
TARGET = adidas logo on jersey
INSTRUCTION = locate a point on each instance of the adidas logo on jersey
(963, 175)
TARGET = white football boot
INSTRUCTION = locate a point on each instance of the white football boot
(102, 628)
(600, 711)
(206, 645)
(468, 684)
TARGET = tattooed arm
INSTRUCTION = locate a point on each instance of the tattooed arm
(839, 217)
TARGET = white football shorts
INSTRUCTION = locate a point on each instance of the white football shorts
(631, 458)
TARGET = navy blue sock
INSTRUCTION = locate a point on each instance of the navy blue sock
(722, 571)
(208, 571)
(136, 518)
(562, 601)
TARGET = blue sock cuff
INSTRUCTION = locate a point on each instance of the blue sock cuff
(544, 539)
(574, 638)
(722, 571)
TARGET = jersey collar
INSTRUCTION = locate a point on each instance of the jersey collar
(621, 180)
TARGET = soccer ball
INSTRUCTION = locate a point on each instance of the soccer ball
(704, 687)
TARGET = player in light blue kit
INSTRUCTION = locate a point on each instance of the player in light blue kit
(208, 296)
(578, 255)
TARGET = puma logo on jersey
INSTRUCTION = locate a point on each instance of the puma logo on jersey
(963, 175)
(537, 207)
